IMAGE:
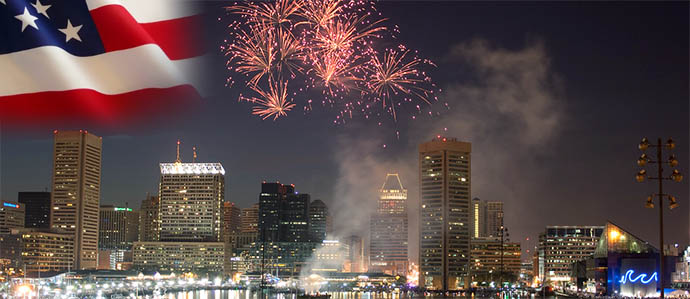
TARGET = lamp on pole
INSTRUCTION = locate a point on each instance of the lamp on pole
(675, 176)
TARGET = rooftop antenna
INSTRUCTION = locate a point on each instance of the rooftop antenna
(194, 157)
(178, 152)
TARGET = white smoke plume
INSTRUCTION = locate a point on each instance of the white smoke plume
(506, 102)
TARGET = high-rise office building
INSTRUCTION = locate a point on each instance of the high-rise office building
(190, 220)
(118, 228)
(37, 208)
(148, 219)
(232, 221)
(11, 216)
(561, 246)
(270, 203)
(294, 218)
(191, 197)
(444, 180)
(318, 223)
(493, 218)
(76, 188)
(388, 228)
(250, 219)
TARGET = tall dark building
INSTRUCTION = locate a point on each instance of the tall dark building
(294, 218)
(148, 219)
(37, 212)
(444, 223)
(270, 200)
(318, 220)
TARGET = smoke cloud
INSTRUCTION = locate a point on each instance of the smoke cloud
(506, 102)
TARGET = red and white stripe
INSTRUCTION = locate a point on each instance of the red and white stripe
(150, 62)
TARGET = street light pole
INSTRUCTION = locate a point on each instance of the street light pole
(675, 176)
(661, 219)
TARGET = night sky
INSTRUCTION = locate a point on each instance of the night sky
(553, 96)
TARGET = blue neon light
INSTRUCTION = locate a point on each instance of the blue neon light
(11, 205)
(628, 277)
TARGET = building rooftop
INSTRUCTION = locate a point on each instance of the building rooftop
(192, 168)
(392, 182)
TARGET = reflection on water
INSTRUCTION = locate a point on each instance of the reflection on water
(244, 294)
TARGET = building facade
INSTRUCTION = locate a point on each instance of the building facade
(270, 203)
(476, 217)
(250, 219)
(11, 248)
(191, 197)
(232, 221)
(388, 241)
(318, 220)
(37, 208)
(294, 218)
(11, 216)
(76, 189)
(46, 251)
(148, 219)
(118, 228)
(493, 219)
(355, 259)
(444, 180)
(561, 246)
(197, 257)
(487, 264)
(621, 265)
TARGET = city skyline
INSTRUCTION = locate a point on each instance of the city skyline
(565, 142)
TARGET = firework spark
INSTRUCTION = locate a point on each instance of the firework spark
(273, 102)
(321, 12)
(330, 46)
(394, 75)
(253, 53)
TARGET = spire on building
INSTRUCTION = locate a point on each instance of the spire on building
(177, 160)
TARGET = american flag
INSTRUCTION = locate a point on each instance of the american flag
(96, 60)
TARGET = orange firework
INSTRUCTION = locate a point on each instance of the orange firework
(321, 12)
(290, 52)
(393, 75)
(253, 53)
(272, 102)
(330, 46)
(334, 72)
(339, 36)
(270, 13)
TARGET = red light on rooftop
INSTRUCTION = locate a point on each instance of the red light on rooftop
(55, 131)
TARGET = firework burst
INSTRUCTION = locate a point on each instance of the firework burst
(272, 102)
(329, 45)
(394, 75)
